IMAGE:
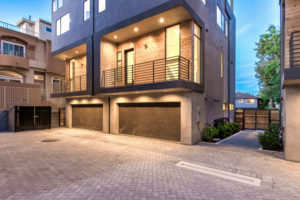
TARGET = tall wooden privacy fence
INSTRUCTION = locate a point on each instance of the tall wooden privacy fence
(255, 119)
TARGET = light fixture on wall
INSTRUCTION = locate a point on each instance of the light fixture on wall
(77, 52)
(116, 37)
(161, 20)
(136, 29)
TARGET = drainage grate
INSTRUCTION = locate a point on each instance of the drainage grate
(220, 173)
(50, 140)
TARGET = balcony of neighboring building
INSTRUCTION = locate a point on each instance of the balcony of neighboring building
(13, 54)
(160, 52)
(75, 81)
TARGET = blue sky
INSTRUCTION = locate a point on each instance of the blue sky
(253, 18)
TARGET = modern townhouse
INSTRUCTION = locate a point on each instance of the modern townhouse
(290, 77)
(27, 70)
(162, 69)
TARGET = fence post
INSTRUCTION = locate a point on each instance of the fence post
(255, 119)
(104, 79)
(243, 119)
(80, 82)
(291, 50)
(27, 96)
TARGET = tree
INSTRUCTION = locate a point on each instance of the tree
(268, 66)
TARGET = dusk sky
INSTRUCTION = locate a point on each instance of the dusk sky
(253, 18)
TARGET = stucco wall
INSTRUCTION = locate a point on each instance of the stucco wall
(291, 121)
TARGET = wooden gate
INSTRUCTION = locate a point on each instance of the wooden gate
(32, 118)
(254, 119)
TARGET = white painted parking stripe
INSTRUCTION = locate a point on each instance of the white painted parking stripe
(222, 174)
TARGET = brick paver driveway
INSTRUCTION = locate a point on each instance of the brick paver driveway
(91, 165)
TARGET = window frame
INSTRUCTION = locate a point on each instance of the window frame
(14, 44)
(119, 65)
(241, 100)
(199, 38)
(57, 4)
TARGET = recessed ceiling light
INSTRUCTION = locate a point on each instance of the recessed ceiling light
(136, 29)
(77, 52)
(116, 37)
(161, 20)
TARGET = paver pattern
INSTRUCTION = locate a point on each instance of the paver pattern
(91, 165)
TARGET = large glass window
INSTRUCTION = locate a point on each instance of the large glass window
(87, 10)
(11, 48)
(219, 17)
(119, 65)
(56, 4)
(63, 24)
(101, 5)
(172, 52)
(197, 53)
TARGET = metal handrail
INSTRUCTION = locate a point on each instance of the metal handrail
(295, 49)
(75, 84)
(17, 29)
(161, 70)
(13, 53)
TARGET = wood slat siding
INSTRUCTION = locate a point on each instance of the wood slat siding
(292, 23)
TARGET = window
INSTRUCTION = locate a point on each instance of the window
(63, 24)
(241, 100)
(9, 76)
(87, 10)
(48, 29)
(219, 17)
(55, 80)
(225, 107)
(101, 5)
(56, 4)
(222, 65)
(250, 101)
(204, 2)
(197, 53)
(119, 65)
(10, 48)
(172, 52)
(39, 77)
(227, 28)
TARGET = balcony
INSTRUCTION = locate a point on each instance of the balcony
(17, 29)
(295, 49)
(172, 72)
(291, 75)
(13, 59)
(70, 85)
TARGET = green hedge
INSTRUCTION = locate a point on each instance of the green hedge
(221, 132)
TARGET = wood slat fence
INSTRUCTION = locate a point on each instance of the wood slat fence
(255, 119)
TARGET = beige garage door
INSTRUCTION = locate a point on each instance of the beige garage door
(155, 120)
(87, 117)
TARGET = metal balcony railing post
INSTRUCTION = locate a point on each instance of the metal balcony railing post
(291, 50)
(80, 82)
(153, 72)
(179, 68)
(188, 71)
(132, 75)
(104, 84)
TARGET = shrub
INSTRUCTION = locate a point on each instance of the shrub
(210, 133)
(225, 130)
(270, 139)
(235, 127)
(220, 122)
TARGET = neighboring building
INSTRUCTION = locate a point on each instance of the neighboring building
(290, 77)
(27, 70)
(161, 69)
(243, 100)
